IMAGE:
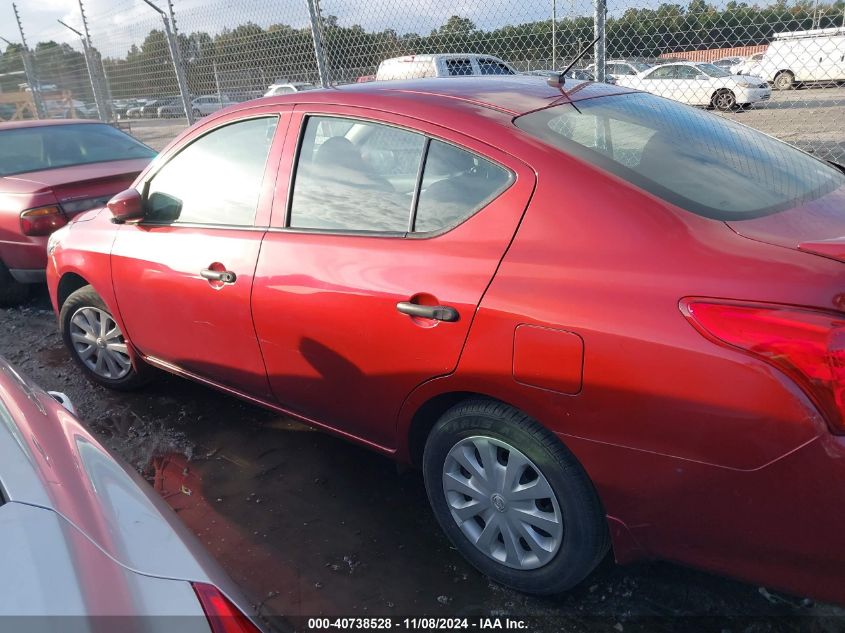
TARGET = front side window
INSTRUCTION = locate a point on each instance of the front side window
(664, 72)
(700, 162)
(458, 67)
(456, 183)
(355, 176)
(686, 72)
(214, 180)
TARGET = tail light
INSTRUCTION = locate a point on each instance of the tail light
(223, 616)
(42, 220)
(807, 345)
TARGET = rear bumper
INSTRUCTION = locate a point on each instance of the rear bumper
(780, 525)
(25, 257)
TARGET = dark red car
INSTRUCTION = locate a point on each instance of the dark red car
(594, 317)
(51, 171)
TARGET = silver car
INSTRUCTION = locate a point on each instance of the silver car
(83, 535)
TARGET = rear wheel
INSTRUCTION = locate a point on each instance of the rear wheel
(12, 292)
(784, 81)
(96, 342)
(513, 500)
(724, 100)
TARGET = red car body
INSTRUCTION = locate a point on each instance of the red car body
(574, 289)
(25, 255)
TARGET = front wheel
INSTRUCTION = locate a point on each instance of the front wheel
(784, 81)
(724, 100)
(96, 343)
(512, 499)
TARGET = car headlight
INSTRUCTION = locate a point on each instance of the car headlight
(55, 239)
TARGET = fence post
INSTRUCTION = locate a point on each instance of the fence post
(176, 56)
(599, 33)
(29, 69)
(92, 61)
(554, 35)
(317, 35)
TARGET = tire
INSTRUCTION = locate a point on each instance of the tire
(784, 81)
(574, 537)
(116, 371)
(12, 292)
(723, 100)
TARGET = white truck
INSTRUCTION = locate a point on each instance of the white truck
(798, 57)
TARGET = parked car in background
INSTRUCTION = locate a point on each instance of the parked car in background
(605, 240)
(150, 109)
(726, 63)
(50, 171)
(205, 105)
(135, 109)
(578, 74)
(616, 68)
(746, 65)
(286, 88)
(170, 109)
(364, 79)
(803, 57)
(87, 537)
(700, 84)
(441, 65)
(69, 108)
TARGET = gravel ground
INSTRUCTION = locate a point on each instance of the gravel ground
(811, 119)
(310, 525)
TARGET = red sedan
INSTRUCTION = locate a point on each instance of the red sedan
(594, 317)
(51, 171)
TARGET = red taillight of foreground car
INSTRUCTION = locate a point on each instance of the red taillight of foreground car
(223, 616)
(807, 345)
(42, 220)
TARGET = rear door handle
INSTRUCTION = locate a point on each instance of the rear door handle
(225, 276)
(438, 313)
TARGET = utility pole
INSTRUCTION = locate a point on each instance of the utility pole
(29, 69)
(176, 56)
(95, 89)
(599, 32)
(554, 35)
(317, 36)
(95, 69)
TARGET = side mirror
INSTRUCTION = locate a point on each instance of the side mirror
(126, 205)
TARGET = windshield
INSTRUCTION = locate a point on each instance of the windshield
(695, 160)
(52, 146)
(713, 70)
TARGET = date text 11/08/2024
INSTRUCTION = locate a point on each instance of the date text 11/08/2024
(419, 624)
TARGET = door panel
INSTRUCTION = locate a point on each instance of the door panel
(171, 281)
(336, 347)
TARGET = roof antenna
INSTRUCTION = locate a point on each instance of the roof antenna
(557, 80)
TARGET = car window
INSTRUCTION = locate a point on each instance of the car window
(663, 72)
(712, 70)
(355, 176)
(50, 147)
(214, 180)
(458, 67)
(456, 183)
(705, 164)
(686, 72)
(493, 67)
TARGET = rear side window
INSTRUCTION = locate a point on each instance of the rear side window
(214, 180)
(695, 160)
(493, 67)
(355, 176)
(455, 185)
(457, 67)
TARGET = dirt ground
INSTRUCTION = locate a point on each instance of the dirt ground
(310, 525)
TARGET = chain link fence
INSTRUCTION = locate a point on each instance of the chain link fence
(156, 66)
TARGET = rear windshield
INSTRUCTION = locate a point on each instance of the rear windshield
(693, 159)
(52, 146)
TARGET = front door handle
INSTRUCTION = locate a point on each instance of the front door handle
(438, 313)
(224, 276)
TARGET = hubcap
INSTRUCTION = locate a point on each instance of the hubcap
(502, 502)
(99, 343)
